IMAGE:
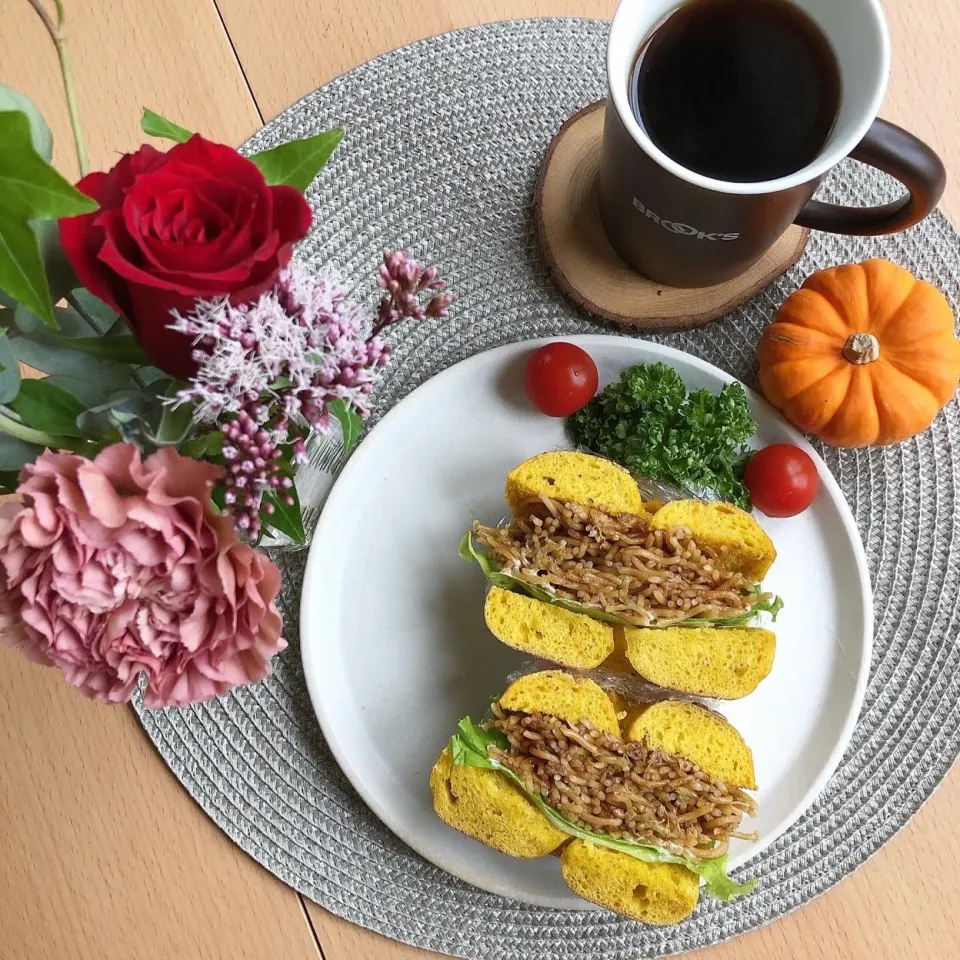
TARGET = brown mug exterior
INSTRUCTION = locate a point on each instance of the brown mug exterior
(684, 235)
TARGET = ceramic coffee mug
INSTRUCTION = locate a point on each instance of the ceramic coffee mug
(684, 229)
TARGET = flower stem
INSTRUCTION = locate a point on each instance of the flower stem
(60, 42)
(23, 432)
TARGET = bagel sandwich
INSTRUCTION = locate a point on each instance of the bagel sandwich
(558, 769)
(581, 538)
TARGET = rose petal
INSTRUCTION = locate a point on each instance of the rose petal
(82, 239)
(292, 215)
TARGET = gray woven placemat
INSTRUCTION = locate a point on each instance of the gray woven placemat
(443, 142)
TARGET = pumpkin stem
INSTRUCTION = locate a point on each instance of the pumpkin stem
(861, 348)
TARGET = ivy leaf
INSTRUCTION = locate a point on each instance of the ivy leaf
(285, 519)
(156, 126)
(350, 422)
(47, 407)
(21, 268)
(9, 371)
(31, 189)
(298, 162)
(40, 135)
(14, 452)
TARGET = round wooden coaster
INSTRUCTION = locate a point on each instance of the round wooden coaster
(584, 265)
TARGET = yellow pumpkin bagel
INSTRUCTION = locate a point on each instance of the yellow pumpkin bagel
(724, 664)
(555, 634)
(574, 477)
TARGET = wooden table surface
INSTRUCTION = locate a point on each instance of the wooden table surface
(102, 853)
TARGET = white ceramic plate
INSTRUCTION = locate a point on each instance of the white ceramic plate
(393, 641)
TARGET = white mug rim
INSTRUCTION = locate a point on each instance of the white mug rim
(817, 168)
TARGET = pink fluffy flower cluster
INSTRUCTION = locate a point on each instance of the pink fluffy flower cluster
(268, 371)
(117, 567)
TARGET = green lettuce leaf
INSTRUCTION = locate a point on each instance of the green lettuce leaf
(497, 577)
(470, 747)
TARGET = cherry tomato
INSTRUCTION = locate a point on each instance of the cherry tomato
(782, 480)
(560, 379)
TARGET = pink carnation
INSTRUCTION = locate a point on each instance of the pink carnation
(116, 567)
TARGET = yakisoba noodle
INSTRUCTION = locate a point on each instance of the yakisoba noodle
(617, 563)
(625, 790)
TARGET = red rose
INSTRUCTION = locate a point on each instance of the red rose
(197, 221)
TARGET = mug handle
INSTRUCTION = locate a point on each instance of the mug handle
(894, 151)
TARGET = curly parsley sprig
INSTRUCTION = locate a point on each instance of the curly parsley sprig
(648, 423)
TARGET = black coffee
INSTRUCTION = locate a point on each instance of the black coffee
(739, 90)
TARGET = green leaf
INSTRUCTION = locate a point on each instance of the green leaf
(45, 406)
(478, 741)
(175, 424)
(60, 275)
(9, 481)
(55, 359)
(156, 126)
(74, 334)
(14, 452)
(114, 414)
(351, 425)
(298, 162)
(151, 375)
(286, 519)
(101, 317)
(488, 564)
(31, 189)
(772, 606)
(91, 394)
(470, 745)
(119, 348)
(719, 883)
(69, 325)
(40, 135)
(9, 371)
(21, 267)
(203, 447)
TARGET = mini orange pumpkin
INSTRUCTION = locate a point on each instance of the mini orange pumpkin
(861, 354)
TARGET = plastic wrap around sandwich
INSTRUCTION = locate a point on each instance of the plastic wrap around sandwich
(640, 804)
(587, 575)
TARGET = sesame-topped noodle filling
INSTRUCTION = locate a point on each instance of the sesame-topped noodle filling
(618, 564)
(626, 790)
